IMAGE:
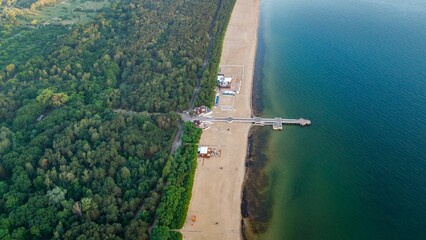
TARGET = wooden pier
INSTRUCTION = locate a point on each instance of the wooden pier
(276, 123)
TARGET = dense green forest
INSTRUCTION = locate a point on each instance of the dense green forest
(88, 114)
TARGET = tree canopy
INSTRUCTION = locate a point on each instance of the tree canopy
(88, 117)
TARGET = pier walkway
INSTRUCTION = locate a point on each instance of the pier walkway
(276, 123)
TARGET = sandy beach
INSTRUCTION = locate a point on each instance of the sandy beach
(215, 207)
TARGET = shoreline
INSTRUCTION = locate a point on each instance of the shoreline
(218, 182)
(256, 192)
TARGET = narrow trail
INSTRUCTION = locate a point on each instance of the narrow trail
(208, 55)
(197, 89)
(178, 141)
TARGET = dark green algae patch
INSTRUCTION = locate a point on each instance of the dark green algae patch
(256, 205)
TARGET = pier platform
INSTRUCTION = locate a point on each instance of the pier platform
(276, 123)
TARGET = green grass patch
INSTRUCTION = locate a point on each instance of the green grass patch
(64, 12)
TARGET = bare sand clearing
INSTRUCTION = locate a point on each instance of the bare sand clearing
(216, 194)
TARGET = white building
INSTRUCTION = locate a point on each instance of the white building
(224, 82)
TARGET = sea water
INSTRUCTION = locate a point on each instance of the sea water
(357, 70)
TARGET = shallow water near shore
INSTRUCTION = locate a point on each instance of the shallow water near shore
(356, 69)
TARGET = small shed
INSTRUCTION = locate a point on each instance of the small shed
(202, 110)
(203, 152)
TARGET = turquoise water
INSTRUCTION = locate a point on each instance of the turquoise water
(357, 70)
